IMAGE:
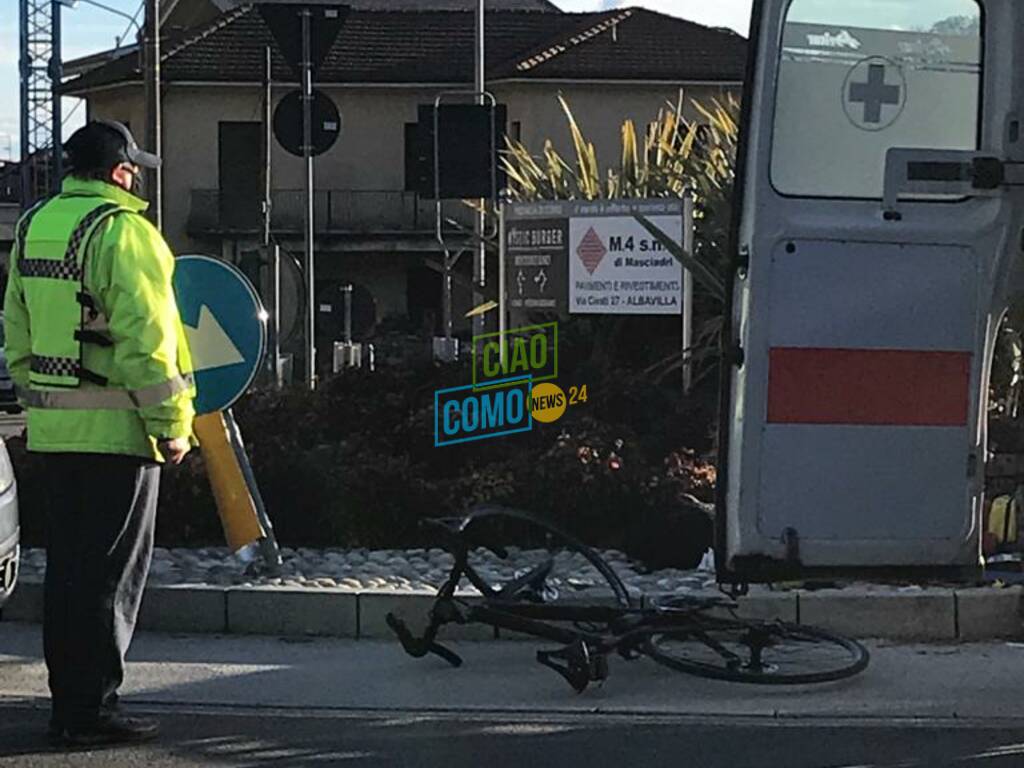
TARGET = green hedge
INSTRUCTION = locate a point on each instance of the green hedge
(354, 464)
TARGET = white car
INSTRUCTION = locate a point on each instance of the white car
(8, 398)
(9, 528)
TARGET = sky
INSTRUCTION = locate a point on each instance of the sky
(85, 29)
(88, 29)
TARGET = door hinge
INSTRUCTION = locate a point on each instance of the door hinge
(743, 258)
(736, 356)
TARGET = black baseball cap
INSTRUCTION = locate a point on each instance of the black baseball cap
(102, 144)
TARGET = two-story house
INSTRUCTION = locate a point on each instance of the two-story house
(390, 57)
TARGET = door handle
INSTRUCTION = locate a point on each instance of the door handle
(980, 172)
(949, 172)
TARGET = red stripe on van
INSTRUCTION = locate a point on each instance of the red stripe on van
(868, 386)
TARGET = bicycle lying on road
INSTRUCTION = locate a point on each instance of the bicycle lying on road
(686, 633)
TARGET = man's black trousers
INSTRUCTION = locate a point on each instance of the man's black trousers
(100, 526)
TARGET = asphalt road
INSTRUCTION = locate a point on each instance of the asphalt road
(238, 738)
(250, 701)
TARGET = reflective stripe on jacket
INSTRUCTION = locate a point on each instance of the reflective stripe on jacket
(95, 344)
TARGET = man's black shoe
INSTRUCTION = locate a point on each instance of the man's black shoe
(113, 729)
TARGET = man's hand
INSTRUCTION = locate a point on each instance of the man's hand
(174, 450)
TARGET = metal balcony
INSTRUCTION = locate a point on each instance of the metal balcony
(335, 211)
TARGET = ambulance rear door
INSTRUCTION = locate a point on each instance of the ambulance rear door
(879, 240)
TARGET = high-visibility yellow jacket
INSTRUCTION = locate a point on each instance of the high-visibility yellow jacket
(94, 341)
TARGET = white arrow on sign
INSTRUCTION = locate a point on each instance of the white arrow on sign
(210, 345)
(541, 279)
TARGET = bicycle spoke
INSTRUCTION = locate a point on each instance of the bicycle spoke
(730, 658)
(758, 653)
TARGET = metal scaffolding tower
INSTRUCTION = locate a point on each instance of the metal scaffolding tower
(40, 66)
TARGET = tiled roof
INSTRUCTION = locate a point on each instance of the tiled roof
(437, 47)
(544, 6)
(177, 14)
(636, 44)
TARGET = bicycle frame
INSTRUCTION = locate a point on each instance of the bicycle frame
(588, 633)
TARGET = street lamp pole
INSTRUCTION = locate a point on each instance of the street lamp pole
(57, 118)
(109, 9)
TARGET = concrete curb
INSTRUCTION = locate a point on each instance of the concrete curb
(931, 615)
(926, 614)
(291, 612)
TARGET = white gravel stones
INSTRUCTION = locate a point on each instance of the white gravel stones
(414, 570)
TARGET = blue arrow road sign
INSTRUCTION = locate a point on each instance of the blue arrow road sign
(226, 328)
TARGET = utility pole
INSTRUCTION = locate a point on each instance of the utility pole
(480, 220)
(154, 180)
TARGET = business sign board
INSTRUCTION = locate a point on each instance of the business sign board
(537, 250)
(594, 257)
(616, 267)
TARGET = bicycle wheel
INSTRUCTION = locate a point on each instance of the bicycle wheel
(566, 568)
(766, 653)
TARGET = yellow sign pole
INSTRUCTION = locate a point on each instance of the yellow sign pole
(235, 503)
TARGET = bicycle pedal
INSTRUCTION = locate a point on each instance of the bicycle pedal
(573, 673)
(580, 668)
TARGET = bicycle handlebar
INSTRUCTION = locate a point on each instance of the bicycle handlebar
(419, 647)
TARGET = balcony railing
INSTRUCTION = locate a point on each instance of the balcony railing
(214, 211)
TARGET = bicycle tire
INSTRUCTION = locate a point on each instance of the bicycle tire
(685, 650)
(565, 541)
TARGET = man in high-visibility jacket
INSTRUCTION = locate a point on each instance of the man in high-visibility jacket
(96, 348)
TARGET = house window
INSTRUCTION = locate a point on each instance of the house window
(412, 153)
(860, 77)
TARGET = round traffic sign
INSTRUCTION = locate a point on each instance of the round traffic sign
(326, 122)
(226, 327)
